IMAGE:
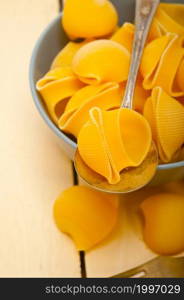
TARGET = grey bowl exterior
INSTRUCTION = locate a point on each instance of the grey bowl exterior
(51, 41)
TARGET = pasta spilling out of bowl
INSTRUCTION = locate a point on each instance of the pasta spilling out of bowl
(91, 217)
(86, 82)
(88, 216)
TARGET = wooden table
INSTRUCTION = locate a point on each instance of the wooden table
(34, 170)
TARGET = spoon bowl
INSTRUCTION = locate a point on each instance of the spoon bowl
(131, 179)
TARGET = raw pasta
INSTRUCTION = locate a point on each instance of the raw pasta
(87, 82)
(166, 118)
(111, 141)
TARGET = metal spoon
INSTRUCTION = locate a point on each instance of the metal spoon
(132, 178)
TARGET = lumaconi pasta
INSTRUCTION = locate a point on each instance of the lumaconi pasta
(57, 85)
(101, 61)
(65, 56)
(169, 18)
(107, 142)
(160, 63)
(89, 18)
(159, 211)
(180, 76)
(93, 73)
(166, 118)
(71, 214)
(124, 36)
(106, 96)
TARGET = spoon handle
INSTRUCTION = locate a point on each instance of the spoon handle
(144, 13)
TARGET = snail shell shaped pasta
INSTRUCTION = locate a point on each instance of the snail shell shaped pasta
(71, 215)
(166, 118)
(169, 18)
(160, 63)
(89, 18)
(124, 36)
(113, 140)
(101, 61)
(65, 56)
(180, 76)
(57, 85)
(106, 96)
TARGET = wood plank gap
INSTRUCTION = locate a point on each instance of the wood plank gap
(81, 253)
(76, 182)
(75, 177)
(60, 5)
(83, 264)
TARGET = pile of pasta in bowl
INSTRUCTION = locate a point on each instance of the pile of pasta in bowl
(84, 87)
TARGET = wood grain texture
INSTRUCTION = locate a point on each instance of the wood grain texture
(33, 169)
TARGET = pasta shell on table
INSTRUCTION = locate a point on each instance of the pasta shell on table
(65, 56)
(89, 18)
(160, 62)
(158, 211)
(55, 87)
(113, 140)
(166, 118)
(71, 215)
(106, 96)
(101, 61)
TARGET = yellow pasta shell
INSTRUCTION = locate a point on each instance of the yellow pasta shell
(160, 63)
(88, 216)
(113, 140)
(166, 118)
(100, 61)
(57, 85)
(89, 18)
(106, 96)
(65, 56)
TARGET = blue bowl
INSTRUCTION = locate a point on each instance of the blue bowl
(51, 41)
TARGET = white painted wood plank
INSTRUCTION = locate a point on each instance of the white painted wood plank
(33, 169)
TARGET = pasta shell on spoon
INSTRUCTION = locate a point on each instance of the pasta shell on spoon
(114, 140)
